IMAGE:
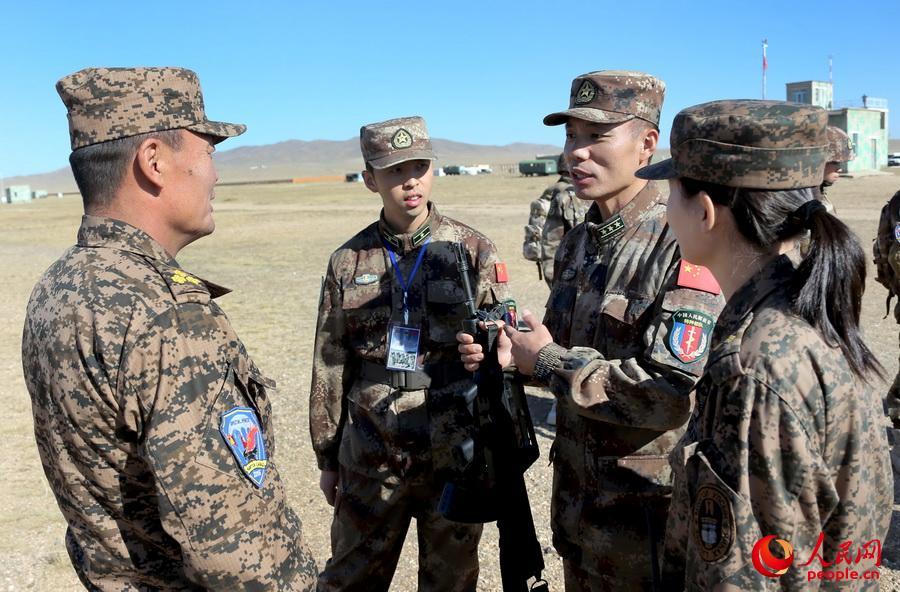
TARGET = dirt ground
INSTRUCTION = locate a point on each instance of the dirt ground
(271, 247)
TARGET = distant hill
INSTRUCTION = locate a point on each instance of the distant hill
(299, 158)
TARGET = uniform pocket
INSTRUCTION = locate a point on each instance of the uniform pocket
(622, 323)
(446, 309)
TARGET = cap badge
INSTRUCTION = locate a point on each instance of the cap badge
(586, 93)
(402, 139)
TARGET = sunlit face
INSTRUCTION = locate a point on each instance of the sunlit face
(602, 157)
(685, 217)
(191, 181)
(832, 172)
(405, 189)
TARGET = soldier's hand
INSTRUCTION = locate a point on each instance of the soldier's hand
(527, 344)
(328, 481)
(471, 354)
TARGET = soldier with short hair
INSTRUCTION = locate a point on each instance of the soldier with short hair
(786, 440)
(624, 340)
(384, 404)
(153, 423)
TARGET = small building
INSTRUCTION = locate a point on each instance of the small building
(17, 193)
(811, 92)
(868, 131)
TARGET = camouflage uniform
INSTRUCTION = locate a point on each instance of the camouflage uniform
(887, 267)
(784, 439)
(621, 376)
(137, 380)
(553, 214)
(389, 433)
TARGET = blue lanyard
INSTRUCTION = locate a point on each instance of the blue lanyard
(404, 285)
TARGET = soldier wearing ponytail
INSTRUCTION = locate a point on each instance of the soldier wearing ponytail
(785, 438)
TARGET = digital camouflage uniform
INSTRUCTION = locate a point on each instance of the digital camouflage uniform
(138, 381)
(622, 365)
(553, 214)
(887, 266)
(390, 442)
(784, 439)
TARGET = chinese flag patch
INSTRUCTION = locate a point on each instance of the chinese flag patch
(501, 273)
(698, 278)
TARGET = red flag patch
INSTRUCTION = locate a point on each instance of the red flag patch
(698, 278)
(501, 273)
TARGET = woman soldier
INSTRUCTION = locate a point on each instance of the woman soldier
(784, 468)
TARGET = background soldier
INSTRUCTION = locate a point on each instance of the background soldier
(386, 374)
(553, 214)
(153, 424)
(887, 267)
(840, 151)
(627, 330)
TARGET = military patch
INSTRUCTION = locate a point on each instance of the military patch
(698, 278)
(568, 274)
(586, 93)
(713, 523)
(610, 229)
(365, 279)
(180, 277)
(897, 232)
(402, 139)
(501, 273)
(244, 437)
(690, 334)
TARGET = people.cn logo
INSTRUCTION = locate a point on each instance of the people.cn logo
(766, 562)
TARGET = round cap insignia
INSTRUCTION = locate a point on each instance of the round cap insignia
(402, 139)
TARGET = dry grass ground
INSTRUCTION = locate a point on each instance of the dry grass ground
(271, 247)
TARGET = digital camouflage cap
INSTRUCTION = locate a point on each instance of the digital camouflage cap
(747, 143)
(613, 96)
(111, 103)
(840, 148)
(391, 142)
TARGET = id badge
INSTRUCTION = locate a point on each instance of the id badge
(403, 348)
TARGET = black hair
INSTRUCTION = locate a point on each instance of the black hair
(100, 168)
(828, 285)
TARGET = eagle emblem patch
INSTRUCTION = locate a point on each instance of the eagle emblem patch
(243, 435)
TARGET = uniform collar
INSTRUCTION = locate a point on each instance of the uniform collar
(405, 242)
(109, 233)
(604, 231)
(777, 274)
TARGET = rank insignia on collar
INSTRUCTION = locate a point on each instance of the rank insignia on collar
(713, 523)
(586, 93)
(610, 229)
(179, 277)
(402, 139)
(420, 235)
(243, 435)
(690, 334)
(365, 279)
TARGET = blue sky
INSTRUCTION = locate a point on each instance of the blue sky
(479, 72)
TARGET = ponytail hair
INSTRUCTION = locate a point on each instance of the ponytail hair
(827, 287)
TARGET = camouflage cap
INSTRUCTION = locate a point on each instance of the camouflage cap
(747, 143)
(111, 103)
(391, 142)
(613, 96)
(840, 148)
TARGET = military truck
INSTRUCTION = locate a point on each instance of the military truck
(541, 167)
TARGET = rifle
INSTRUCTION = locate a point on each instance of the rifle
(491, 482)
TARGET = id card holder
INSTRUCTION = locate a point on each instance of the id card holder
(403, 348)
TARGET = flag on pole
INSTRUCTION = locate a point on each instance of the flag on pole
(765, 44)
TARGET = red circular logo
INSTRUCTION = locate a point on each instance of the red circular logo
(766, 562)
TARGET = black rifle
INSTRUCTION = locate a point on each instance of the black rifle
(491, 483)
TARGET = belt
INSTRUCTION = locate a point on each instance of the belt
(405, 380)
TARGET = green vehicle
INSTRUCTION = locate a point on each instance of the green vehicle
(541, 167)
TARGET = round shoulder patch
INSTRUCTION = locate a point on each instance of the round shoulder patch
(690, 334)
(402, 139)
(712, 520)
(897, 232)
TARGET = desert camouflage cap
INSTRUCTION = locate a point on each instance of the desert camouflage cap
(747, 143)
(394, 141)
(840, 148)
(612, 96)
(111, 103)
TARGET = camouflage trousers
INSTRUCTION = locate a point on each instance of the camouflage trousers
(371, 519)
(631, 555)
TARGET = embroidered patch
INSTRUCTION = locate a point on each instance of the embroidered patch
(610, 229)
(244, 437)
(698, 278)
(713, 523)
(586, 93)
(690, 333)
(501, 273)
(402, 139)
(365, 279)
(897, 232)
(567, 274)
(179, 277)
(420, 235)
